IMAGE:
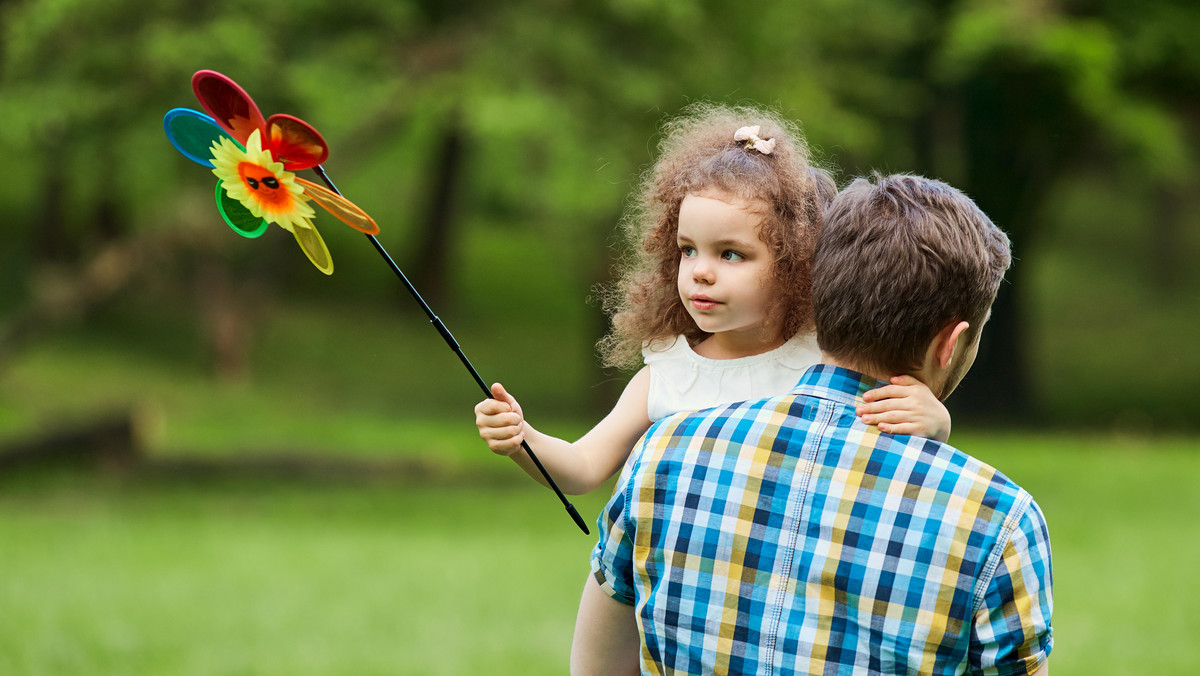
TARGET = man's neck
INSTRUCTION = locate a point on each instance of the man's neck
(871, 371)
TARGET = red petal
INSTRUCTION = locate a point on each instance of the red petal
(228, 103)
(294, 142)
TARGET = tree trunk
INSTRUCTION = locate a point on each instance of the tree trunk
(107, 222)
(1166, 246)
(1018, 136)
(433, 250)
(51, 241)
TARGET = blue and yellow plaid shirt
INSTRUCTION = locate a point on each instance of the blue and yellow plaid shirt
(784, 536)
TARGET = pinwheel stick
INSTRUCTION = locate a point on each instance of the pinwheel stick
(449, 338)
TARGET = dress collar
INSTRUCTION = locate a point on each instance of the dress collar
(836, 383)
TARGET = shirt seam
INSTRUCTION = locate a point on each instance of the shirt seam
(1010, 526)
(811, 446)
(626, 515)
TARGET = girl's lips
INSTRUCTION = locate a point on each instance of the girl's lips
(703, 302)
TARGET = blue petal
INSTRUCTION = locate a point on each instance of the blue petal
(193, 133)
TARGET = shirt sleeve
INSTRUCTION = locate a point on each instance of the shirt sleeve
(1012, 633)
(612, 558)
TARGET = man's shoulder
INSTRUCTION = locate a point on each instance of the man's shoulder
(950, 473)
(935, 467)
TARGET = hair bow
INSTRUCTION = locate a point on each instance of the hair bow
(752, 140)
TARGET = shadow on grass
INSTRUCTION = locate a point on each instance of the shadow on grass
(116, 445)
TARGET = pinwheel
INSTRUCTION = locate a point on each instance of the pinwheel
(254, 160)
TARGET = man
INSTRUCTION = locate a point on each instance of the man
(787, 536)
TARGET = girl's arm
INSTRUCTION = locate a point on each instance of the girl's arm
(577, 467)
(906, 406)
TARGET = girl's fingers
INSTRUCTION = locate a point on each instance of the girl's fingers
(501, 434)
(882, 406)
(507, 446)
(892, 417)
(492, 426)
(499, 421)
(902, 428)
(888, 392)
(492, 407)
(501, 394)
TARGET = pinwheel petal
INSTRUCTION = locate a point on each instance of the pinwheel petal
(228, 103)
(314, 247)
(238, 216)
(294, 142)
(345, 210)
(193, 133)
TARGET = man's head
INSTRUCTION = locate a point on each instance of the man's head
(904, 278)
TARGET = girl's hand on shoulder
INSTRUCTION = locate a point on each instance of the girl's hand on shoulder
(500, 421)
(906, 406)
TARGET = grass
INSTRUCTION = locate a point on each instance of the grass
(334, 380)
(1121, 514)
(150, 575)
(110, 574)
(104, 576)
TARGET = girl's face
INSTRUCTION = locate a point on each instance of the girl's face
(724, 268)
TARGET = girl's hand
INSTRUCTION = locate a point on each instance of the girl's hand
(906, 406)
(500, 422)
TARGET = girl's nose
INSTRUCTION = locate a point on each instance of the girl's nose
(703, 271)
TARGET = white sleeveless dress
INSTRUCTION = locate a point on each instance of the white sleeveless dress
(681, 380)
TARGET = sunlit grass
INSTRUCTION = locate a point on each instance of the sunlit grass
(262, 578)
(1121, 513)
(470, 570)
(481, 573)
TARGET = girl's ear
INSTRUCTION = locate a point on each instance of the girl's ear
(945, 342)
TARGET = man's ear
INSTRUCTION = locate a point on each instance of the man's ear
(945, 342)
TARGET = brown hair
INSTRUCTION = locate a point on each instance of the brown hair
(901, 257)
(698, 153)
(825, 185)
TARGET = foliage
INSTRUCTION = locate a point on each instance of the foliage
(558, 104)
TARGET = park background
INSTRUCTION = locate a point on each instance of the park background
(263, 470)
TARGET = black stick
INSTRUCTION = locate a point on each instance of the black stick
(446, 336)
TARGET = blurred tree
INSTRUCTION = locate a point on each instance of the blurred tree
(499, 120)
(1035, 92)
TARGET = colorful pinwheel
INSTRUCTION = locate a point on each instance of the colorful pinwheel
(253, 159)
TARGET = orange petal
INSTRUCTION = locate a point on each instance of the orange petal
(345, 210)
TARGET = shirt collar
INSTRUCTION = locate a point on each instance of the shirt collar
(836, 383)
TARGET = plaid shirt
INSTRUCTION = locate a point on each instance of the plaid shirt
(785, 536)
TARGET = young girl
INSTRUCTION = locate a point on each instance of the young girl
(716, 302)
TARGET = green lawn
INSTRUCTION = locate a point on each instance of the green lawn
(481, 574)
(104, 576)
(475, 570)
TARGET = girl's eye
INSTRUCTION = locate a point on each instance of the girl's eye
(687, 251)
(732, 256)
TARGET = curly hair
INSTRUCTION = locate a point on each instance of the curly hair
(698, 153)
